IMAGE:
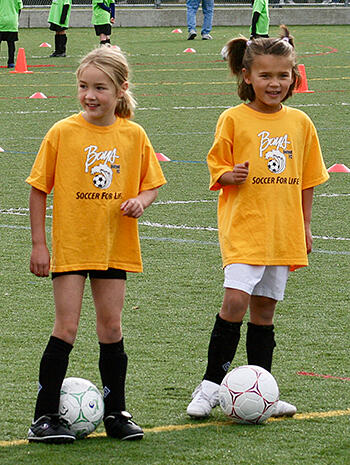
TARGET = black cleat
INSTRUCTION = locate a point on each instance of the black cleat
(119, 425)
(50, 429)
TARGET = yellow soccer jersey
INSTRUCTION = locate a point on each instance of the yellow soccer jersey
(261, 221)
(93, 169)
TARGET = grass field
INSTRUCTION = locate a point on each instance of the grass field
(170, 308)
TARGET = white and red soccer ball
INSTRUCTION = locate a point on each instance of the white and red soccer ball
(248, 394)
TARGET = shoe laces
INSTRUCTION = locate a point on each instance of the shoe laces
(200, 393)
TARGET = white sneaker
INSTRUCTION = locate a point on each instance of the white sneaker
(284, 409)
(204, 398)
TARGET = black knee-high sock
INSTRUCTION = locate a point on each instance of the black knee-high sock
(57, 43)
(63, 43)
(11, 52)
(260, 344)
(113, 365)
(222, 348)
(53, 368)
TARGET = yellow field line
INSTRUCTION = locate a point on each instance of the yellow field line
(167, 428)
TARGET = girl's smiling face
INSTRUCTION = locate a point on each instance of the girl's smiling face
(98, 96)
(271, 77)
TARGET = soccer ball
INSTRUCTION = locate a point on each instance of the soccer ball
(273, 166)
(100, 180)
(81, 404)
(248, 394)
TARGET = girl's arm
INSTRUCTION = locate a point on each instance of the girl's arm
(136, 206)
(40, 257)
(237, 176)
(307, 198)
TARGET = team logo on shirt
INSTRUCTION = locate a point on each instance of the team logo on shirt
(100, 165)
(273, 149)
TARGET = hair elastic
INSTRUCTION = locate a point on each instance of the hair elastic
(249, 42)
(285, 38)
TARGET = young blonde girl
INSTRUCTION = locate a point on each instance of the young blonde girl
(104, 173)
(265, 161)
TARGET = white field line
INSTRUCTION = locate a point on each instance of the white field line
(206, 107)
(25, 212)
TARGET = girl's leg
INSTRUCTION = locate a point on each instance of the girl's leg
(226, 334)
(260, 341)
(11, 53)
(68, 293)
(222, 348)
(109, 295)
(104, 39)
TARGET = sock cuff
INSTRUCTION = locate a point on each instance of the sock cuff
(260, 328)
(57, 344)
(228, 325)
(114, 348)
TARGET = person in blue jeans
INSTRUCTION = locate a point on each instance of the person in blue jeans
(208, 12)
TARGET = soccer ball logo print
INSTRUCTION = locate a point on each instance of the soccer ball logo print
(248, 394)
(276, 161)
(103, 176)
(100, 181)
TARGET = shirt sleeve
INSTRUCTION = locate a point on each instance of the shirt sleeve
(314, 169)
(42, 175)
(151, 172)
(220, 158)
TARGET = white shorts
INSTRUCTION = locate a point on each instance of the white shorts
(267, 281)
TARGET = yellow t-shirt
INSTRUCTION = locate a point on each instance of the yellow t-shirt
(261, 221)
(93, 169)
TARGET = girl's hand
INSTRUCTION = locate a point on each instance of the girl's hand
(40, 261)
(112, 20)
(308, 238)
(132, 207)
(240, 172)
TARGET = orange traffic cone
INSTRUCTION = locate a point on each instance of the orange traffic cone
(302, 88)
(21, 63)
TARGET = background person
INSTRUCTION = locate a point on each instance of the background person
(9, 14)
(260, 19)
(208, 12)
(59, 16)
(103, 15)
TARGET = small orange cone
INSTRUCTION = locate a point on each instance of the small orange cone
(303, 87)
(45, 44)
(189, 50)
(21, 63)
(38, 95)
(162, 157)
(2, 150)
(338, 168)
(177, 31)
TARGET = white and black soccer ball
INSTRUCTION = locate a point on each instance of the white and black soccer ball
(81, 405)
(274, 165)
(100, 180)
(248, 394)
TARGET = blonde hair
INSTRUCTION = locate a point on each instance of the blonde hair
(241, 53)
(114, 64)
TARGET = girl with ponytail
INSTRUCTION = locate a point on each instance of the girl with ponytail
(104, 173)
(265, 162)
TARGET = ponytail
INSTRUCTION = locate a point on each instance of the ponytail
(241, 52)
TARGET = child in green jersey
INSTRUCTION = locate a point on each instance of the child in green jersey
(260, 19)
(103, 15)
(59, 21)
(9, 14)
